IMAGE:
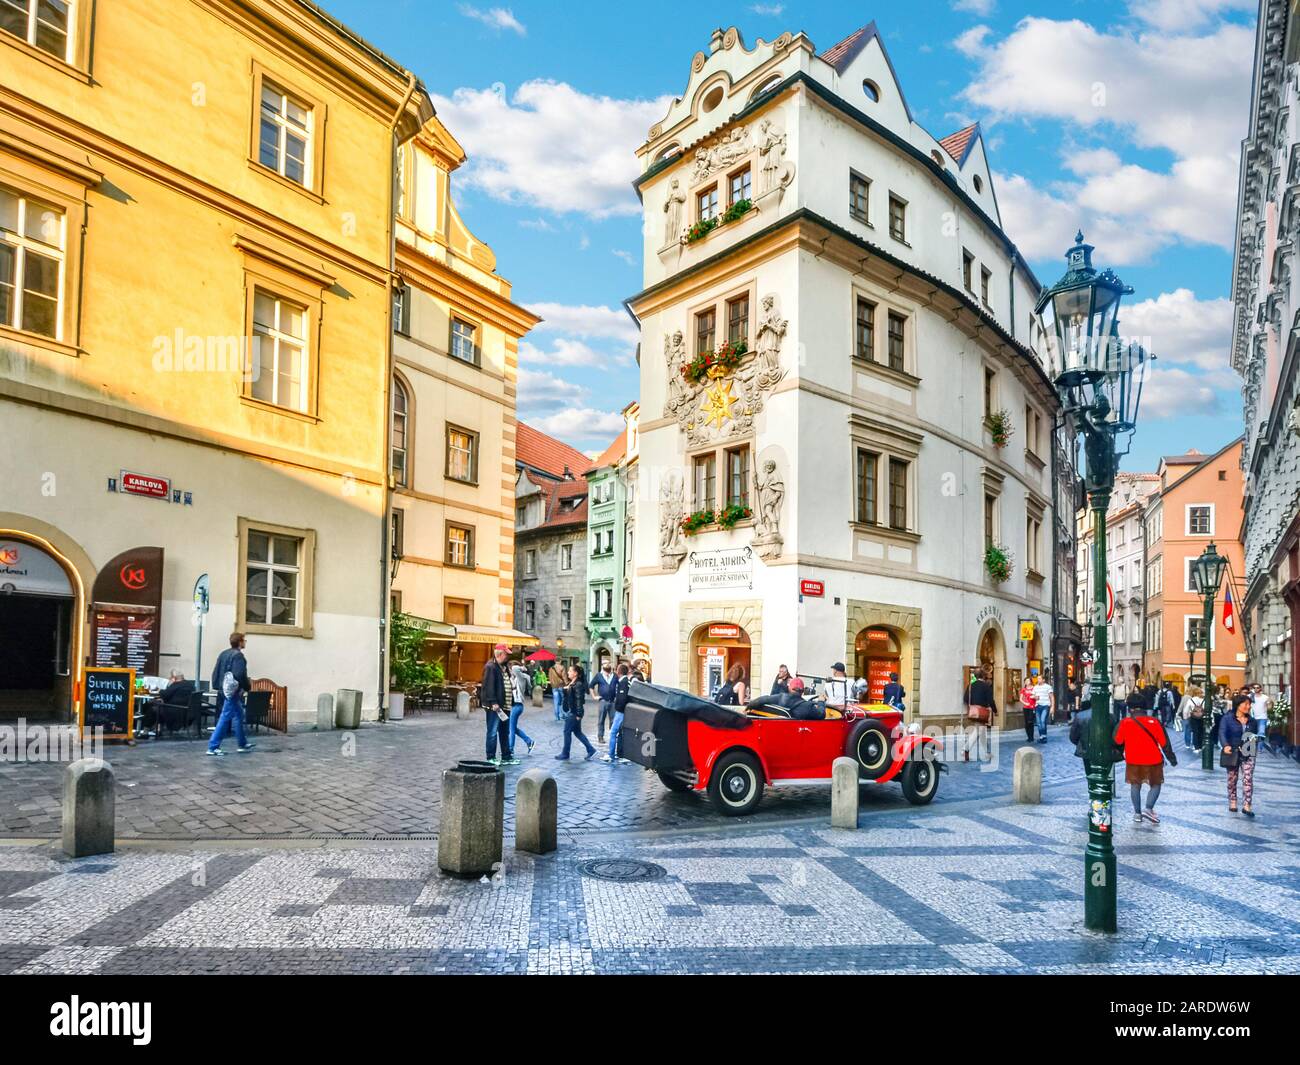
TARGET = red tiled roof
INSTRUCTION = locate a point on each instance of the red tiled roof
(840, 55)
(612, 454)
(538, 451)
(958, 144)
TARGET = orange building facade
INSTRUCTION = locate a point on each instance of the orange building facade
(1199, 502)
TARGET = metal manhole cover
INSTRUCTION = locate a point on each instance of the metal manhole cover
(622, 870)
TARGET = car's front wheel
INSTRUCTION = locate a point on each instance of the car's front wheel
(736, 786)
(920, 780)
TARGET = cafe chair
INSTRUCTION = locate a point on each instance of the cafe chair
(257, 708)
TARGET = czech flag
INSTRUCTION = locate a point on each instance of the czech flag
(1229, 610)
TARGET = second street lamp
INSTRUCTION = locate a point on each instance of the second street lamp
(1207, 575)
(1099, 381)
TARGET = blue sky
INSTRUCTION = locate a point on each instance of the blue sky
(1125, 118)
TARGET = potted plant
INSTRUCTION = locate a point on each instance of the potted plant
(693, 523)
(1279, 716)
(997, 561)
(724, 359)
(1000, 427)
(701, 229)
(733, 514)
(736, 210)
(408, 672)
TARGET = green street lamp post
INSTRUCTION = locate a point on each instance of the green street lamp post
(1099, 380)
(1207, 575)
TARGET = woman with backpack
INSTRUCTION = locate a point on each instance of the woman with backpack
(1145, 745)
(1191, 711)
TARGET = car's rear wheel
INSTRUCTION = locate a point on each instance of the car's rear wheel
(868, 744)
(736, 786)
(920, 780)
(675, 781)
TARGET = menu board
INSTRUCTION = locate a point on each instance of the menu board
(107, 702)
(126, 637)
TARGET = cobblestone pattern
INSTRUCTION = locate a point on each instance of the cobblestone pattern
(385, 780)
(988, 888)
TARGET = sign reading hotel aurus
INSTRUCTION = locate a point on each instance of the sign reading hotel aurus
(730, 568)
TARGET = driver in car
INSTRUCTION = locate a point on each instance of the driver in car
(792, 700)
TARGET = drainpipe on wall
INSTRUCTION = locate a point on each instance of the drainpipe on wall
(385, 578)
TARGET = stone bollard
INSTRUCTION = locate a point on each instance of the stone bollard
(324, 712)
(473, 819)
(1027, 775)
(347, 708)
(462, 705)
(537, 696)
(844, 793)
(89, 807)
(536, 812)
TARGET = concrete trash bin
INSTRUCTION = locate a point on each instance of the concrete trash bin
(347, 708)
(472, 828)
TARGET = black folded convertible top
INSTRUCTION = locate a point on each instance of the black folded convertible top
(688, 705)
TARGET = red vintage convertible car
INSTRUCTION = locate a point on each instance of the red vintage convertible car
(696, 745)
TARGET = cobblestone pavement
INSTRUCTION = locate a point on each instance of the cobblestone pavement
(978, 886)
(385, 781)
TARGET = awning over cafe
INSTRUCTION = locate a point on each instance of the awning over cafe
(439, 630)
(495, 634)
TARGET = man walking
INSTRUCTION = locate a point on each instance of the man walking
(492, 689)
(622, 686)
(521, 687)
(606, 687)
(555, 677)
(230, 680)
(1044, 704)
(1259, 703)
(1166, 704)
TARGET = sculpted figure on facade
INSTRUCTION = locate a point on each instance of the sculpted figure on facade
(776, 172)
(672, 509)
(769, 489)
(673, 208)
(679, 398)
(721, 153)
(771, 331)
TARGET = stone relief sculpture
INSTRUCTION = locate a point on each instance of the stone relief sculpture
(675, 356)
(673, 207)
(775, 172)
(771, 330)
(672, 509)
(769, 490)
(720, 154)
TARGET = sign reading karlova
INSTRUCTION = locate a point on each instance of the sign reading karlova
(729, 568)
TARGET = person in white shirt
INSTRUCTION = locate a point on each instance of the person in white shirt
(837, 687)
(1259, 703)
(1044, 704)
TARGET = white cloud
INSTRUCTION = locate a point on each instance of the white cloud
(771, 10)
(552, 146)
(1179, 328)
(983, 8)
(583, 424)
(540, 392)
(1184, 14)
(591, 323)
(497, 18)
(625, 255)
(1173, 392)
(1184, 93)
(540, 224)
(564, 351)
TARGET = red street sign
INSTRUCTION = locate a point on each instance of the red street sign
(814, 588)
(141, 484)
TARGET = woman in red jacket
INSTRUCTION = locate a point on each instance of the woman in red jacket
(1143, 739)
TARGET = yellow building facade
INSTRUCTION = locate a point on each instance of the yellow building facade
(196, 280)
(456, 356)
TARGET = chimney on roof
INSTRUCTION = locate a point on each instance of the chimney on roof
(568, 474)
(715, 41)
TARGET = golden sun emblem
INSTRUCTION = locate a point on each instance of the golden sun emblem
(718, 401)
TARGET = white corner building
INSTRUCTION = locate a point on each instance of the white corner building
(837, 339)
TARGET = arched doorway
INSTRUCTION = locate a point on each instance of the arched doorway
(878, 652)
(40, 632)
(992, 652)
(715, 648)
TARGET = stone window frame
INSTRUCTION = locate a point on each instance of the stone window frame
(887, 441)
(1187, 518)
(883, 305)
(305, 629)
(470, 546)
(992, 482)
(407, 480)
(76, 61)
(719, 305)
(283, 278)
(452, 600)
(863, 217)
(718, 450)
(474, 441)
(1036, 512)
(65, 188)
(263, 77)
